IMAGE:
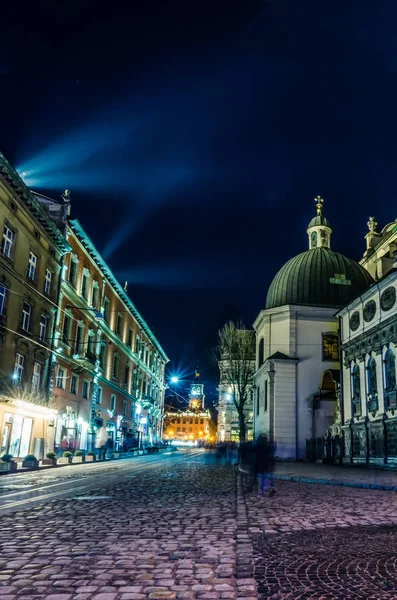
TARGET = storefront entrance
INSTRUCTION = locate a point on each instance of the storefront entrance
(16, 437)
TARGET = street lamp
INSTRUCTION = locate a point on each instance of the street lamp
(174, 379)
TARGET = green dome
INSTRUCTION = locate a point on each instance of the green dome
(319, 220)
(318, 277)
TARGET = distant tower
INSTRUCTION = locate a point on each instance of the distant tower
(196, 394)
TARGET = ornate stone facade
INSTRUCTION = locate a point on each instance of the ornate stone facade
(369, 347)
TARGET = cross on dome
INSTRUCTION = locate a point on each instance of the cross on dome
(319, 204)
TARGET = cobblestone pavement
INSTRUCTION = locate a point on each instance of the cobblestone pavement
(175, 533)
(324, 542)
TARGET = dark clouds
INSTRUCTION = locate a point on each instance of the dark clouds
(194, 137)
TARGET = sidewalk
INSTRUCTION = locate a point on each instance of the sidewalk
(337, 475)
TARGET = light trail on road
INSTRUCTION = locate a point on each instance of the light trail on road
(114, 470)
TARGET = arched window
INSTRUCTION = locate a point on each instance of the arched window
(356, 391)
(390, 370)
(313, 239)
(324, 238)
(372, 386)
(261, 350)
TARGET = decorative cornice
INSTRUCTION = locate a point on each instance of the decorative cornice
(372, 340)
(24, 195)
(77, 229)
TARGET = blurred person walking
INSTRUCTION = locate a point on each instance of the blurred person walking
(264, 464)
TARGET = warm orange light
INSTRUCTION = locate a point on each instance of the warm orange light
(201, 433)
(171, 432)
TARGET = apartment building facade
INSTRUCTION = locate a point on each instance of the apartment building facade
(32, 253)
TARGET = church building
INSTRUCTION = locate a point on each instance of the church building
(369, 347)
(297, 349)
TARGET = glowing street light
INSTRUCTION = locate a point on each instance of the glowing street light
(174, 379)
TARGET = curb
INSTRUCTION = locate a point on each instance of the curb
(335, 482)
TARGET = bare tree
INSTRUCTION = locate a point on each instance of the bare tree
(235, 355)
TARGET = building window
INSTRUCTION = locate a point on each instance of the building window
(102, 354)
(60, 378)
(8, 240)
(127, 375)
(73, 384)
(66, 329)
(257, 401)
(95, 293)
(73, 272)
(390, 370)
(201, 421)
(124, 407)
(372, 386)
(79, 339)
(99, 395)
(32, 265)
(36, 376)
(119, 323)
(47, 282)
(356, 391)
(26, 315)
(43, 327)
(196, 421)
(86, 388)
(178, 420)
(115, 372)
(91, 342)
(3, 296)
(85, 285)
(313, 238)
(106, 309)
(261, 351)
(390, 379)
(330, 347)
(18, 370)
(129, 340)
(266, 394)
(112, 402)
(178, 428)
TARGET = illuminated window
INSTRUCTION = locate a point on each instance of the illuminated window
(32, 265)
(18, 370)
(36, 376)
(330, 347)
(8, 240)
(47, 282)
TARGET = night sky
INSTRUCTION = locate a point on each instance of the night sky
(194, 136)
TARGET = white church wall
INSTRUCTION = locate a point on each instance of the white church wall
(285, 409)
(261, 422)
(310, 368)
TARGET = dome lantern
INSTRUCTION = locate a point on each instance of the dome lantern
(319, 229)
(318, 277)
